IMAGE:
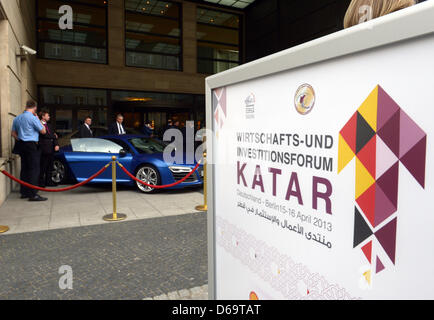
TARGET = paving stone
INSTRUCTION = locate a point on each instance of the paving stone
(129, 260)
(184, 293)
(196, 293)
(90, 204)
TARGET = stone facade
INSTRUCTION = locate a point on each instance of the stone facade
(17, 75)
(20, 77)
(115, 75)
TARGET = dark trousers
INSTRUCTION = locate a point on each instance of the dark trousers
(30, 159)
(46, 168)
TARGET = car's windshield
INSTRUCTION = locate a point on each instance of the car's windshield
(147, 145)
(94, 145)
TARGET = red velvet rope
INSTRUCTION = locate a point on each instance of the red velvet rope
(163, 186)
(7, 174)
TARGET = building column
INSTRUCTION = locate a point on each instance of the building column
(189, 43)
(4, 89)
(116, 33)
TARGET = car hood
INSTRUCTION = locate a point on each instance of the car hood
(160, 158)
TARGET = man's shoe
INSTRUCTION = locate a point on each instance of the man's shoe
(37, 198)
(23, 196)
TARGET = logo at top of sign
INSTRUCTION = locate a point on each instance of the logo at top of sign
(304, 99)
(250, 106)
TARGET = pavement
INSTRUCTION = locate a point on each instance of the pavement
(87, 205)
(158, 252)
(196, 293)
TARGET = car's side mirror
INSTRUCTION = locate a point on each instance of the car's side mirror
(122, 153)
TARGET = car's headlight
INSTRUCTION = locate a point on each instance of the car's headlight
(179, 169)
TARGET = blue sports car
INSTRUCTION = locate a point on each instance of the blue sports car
(141, 156)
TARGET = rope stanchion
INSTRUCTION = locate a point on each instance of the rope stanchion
(28, 185)
(159, 186)
(204, 206)
(110, 217)
(114, 216)
(3, 229)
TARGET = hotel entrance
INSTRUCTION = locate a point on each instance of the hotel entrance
(157, 108)
(69, 106)
(135, 120)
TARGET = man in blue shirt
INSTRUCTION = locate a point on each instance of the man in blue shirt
(25, 129)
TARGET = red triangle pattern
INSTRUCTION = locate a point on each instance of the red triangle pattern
(349, 131)
(366, 202)
(367, 250)
(368, 156)
(216, 115)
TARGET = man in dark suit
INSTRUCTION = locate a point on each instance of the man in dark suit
(48, 145)
(85, 131)
(116, 127)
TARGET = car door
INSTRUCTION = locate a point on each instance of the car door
(89, 155)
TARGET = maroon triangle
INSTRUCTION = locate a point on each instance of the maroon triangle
(415, 160)
(389, 133)
(387, 238)
(383, 206)
(379, 266)
(386, 108)
(388, 182)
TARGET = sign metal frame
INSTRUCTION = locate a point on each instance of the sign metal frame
(404, 25)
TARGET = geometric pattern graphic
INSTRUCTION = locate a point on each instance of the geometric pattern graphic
(380, 135)
(290, 278)
(219, 106)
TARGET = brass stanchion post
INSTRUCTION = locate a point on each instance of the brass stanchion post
(3, 229)
(114, 216)
(203, 207)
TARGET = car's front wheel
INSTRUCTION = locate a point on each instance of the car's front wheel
(150, 175)
(58, 175)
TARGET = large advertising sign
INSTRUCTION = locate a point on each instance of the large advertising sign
(323, 180)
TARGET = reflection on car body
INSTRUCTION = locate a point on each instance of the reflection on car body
(97, 132)
(140, 155)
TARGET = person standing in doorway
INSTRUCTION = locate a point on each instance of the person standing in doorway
(48, 145)
(148, 131)
(117, 128)
(26, 128)
(85, 130)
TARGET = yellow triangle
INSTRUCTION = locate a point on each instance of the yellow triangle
(363, 178)
(345, 154)
(369, 108)
(367, 275)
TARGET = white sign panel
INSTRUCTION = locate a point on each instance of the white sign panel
(323, 179)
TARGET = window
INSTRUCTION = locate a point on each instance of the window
(94, 145)
(218, 40)
(153, 34)
(69, 106)
(86, 42)
(148, 145)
